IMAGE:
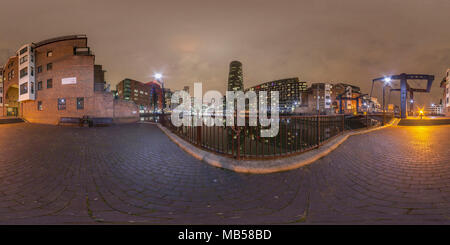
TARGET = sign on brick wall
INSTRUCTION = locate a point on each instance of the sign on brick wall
(69, 80)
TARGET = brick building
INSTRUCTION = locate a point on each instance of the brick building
(58, 78)
(135, 91)
(148, 96)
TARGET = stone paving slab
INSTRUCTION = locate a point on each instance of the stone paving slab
(267, 166)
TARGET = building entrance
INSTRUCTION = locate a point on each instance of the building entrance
(11, 101)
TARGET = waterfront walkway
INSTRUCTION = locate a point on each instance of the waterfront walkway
(134, 174)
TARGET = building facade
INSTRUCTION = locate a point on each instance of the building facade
(156, 95)
(135, 91)
(351, 98)
(291, 91)
(58, 78)
(235, 77)
(318, 99)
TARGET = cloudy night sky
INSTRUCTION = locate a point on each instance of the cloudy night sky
(191, 41)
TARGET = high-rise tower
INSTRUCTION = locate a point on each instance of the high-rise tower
(235, 78)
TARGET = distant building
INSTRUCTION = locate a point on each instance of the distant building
(57, 78)
(135, 91)
(156, 97)
(186, 89)
(290, 92)
(434, 110)
(347, 91)
(319, 98)
(167, 98)
(235, 77)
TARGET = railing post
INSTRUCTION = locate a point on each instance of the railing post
(367, 121)
(238, 150)
(199, 135)
(318, 130)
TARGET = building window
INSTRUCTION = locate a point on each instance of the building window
(24, 50)
(32, 87)
(50, 83)
(24, 72)
(24, 88)
(61, 104)
(49, 66)
(80, 103)
(39, 69)
(39, 105)
(49, 53)
(39, 87)
(23, 59)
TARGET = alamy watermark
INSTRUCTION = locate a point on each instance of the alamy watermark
(209, 109)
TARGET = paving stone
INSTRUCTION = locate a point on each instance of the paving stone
(134, 174)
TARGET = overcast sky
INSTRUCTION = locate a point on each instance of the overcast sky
(191, 41)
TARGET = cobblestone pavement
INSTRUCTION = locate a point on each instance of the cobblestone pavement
(134, 174)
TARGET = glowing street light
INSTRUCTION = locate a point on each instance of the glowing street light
(157, 76)
(387, 80)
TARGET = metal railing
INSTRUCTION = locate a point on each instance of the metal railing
(296, 134)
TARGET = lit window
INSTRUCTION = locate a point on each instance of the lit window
(39, 105)
(80, 103)
(61, 104)
(23, 59)
(49, 53)
(24, 88)
(24, 50)
(24, 72)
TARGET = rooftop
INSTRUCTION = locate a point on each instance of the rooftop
(61, 38)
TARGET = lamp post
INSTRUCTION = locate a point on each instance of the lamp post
(158, 77)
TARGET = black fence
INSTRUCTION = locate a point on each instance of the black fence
(296, 134)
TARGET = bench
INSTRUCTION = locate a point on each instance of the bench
(69, 120)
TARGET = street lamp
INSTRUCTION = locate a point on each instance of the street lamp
(158, 77)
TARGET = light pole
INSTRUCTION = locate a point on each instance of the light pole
(158, 77)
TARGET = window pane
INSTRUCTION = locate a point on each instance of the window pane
(61, 104)
(50, 83)
(24, 88)
(80, 103)
(24, 72)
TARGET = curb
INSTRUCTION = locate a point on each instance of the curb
(265, 166)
